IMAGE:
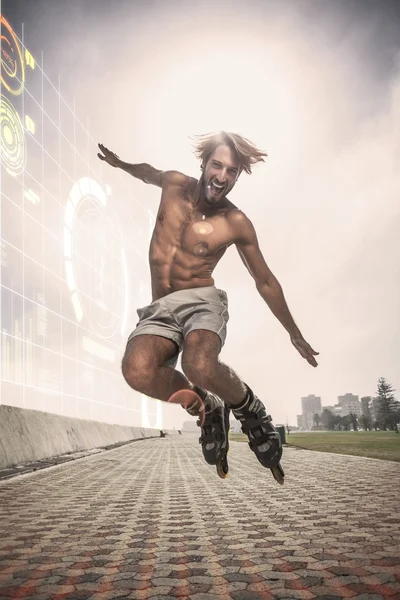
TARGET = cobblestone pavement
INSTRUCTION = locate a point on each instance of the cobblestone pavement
(153, 520)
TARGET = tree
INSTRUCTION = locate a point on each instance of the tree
(337, 423)
(366, 422)
(317, 419)
(394, 420)
(328, 419)
(386, 398)
(344, 423)
(353, 421)
(397, 421)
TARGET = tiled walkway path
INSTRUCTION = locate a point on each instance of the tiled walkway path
(153, 520)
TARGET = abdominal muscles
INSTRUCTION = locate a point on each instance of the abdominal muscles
(173, 268)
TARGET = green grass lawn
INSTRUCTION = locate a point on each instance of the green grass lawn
(374, 444)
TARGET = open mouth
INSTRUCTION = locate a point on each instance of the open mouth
(215, 188)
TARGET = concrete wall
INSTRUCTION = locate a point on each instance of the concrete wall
(29, 435)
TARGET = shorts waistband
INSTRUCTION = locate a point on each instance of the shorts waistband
(190, 291)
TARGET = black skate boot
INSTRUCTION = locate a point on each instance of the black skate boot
(214, 431)
(264, 440)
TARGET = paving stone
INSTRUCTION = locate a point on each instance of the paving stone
(378, 578)
(161, 581)
(202, 596)
(392, 589)
(310, 573)
(244, 595)
(342, 580)
(328, 597)
(107, 595)
(159, 592)
(208, 580)
(373, 569)
(145, 597)
(303, 583)
(278, 575)
(323, 564)
(63, 572)
(322, 591)
(257, 569)
(129, 584)
(264, 587)
(54, 589)
(346, 570)
(293, 594)
(190, 590)
(363, 588)
(223, 571)
(368, 597)
(247, 578)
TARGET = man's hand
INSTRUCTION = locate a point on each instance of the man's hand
(111, 158)
(305, 350)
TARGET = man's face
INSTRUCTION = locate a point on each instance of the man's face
(220, 174)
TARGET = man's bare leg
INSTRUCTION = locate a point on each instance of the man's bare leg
(226, 384)
(219, 379)
(144, 369)
(202, 366)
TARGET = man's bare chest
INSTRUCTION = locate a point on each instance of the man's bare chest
(181, 226)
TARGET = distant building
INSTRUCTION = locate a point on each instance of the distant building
(337, 410)
(300, 422)
(311, 404)
(350, 403)
(366, 402)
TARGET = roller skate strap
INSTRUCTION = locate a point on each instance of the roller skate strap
(250, 424)
(208, 438)
(264, 439)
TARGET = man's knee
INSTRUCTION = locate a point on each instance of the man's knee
(137, 372)
(199, 369)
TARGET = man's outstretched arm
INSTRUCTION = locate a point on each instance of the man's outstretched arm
(142, 171)
(267, 284)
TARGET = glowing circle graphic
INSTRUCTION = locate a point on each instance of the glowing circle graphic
(12, 142)
(157, 423)
(201, 249)
(12, 74)
(95, 262)
(203, 227)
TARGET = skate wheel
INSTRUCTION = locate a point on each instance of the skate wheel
(222, 468)
(278, 474)
(187, 398)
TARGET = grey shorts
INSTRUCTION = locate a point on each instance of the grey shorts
(179, 313)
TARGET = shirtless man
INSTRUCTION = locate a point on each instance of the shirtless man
(196, 223)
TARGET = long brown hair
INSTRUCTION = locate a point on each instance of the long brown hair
(245, 150)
